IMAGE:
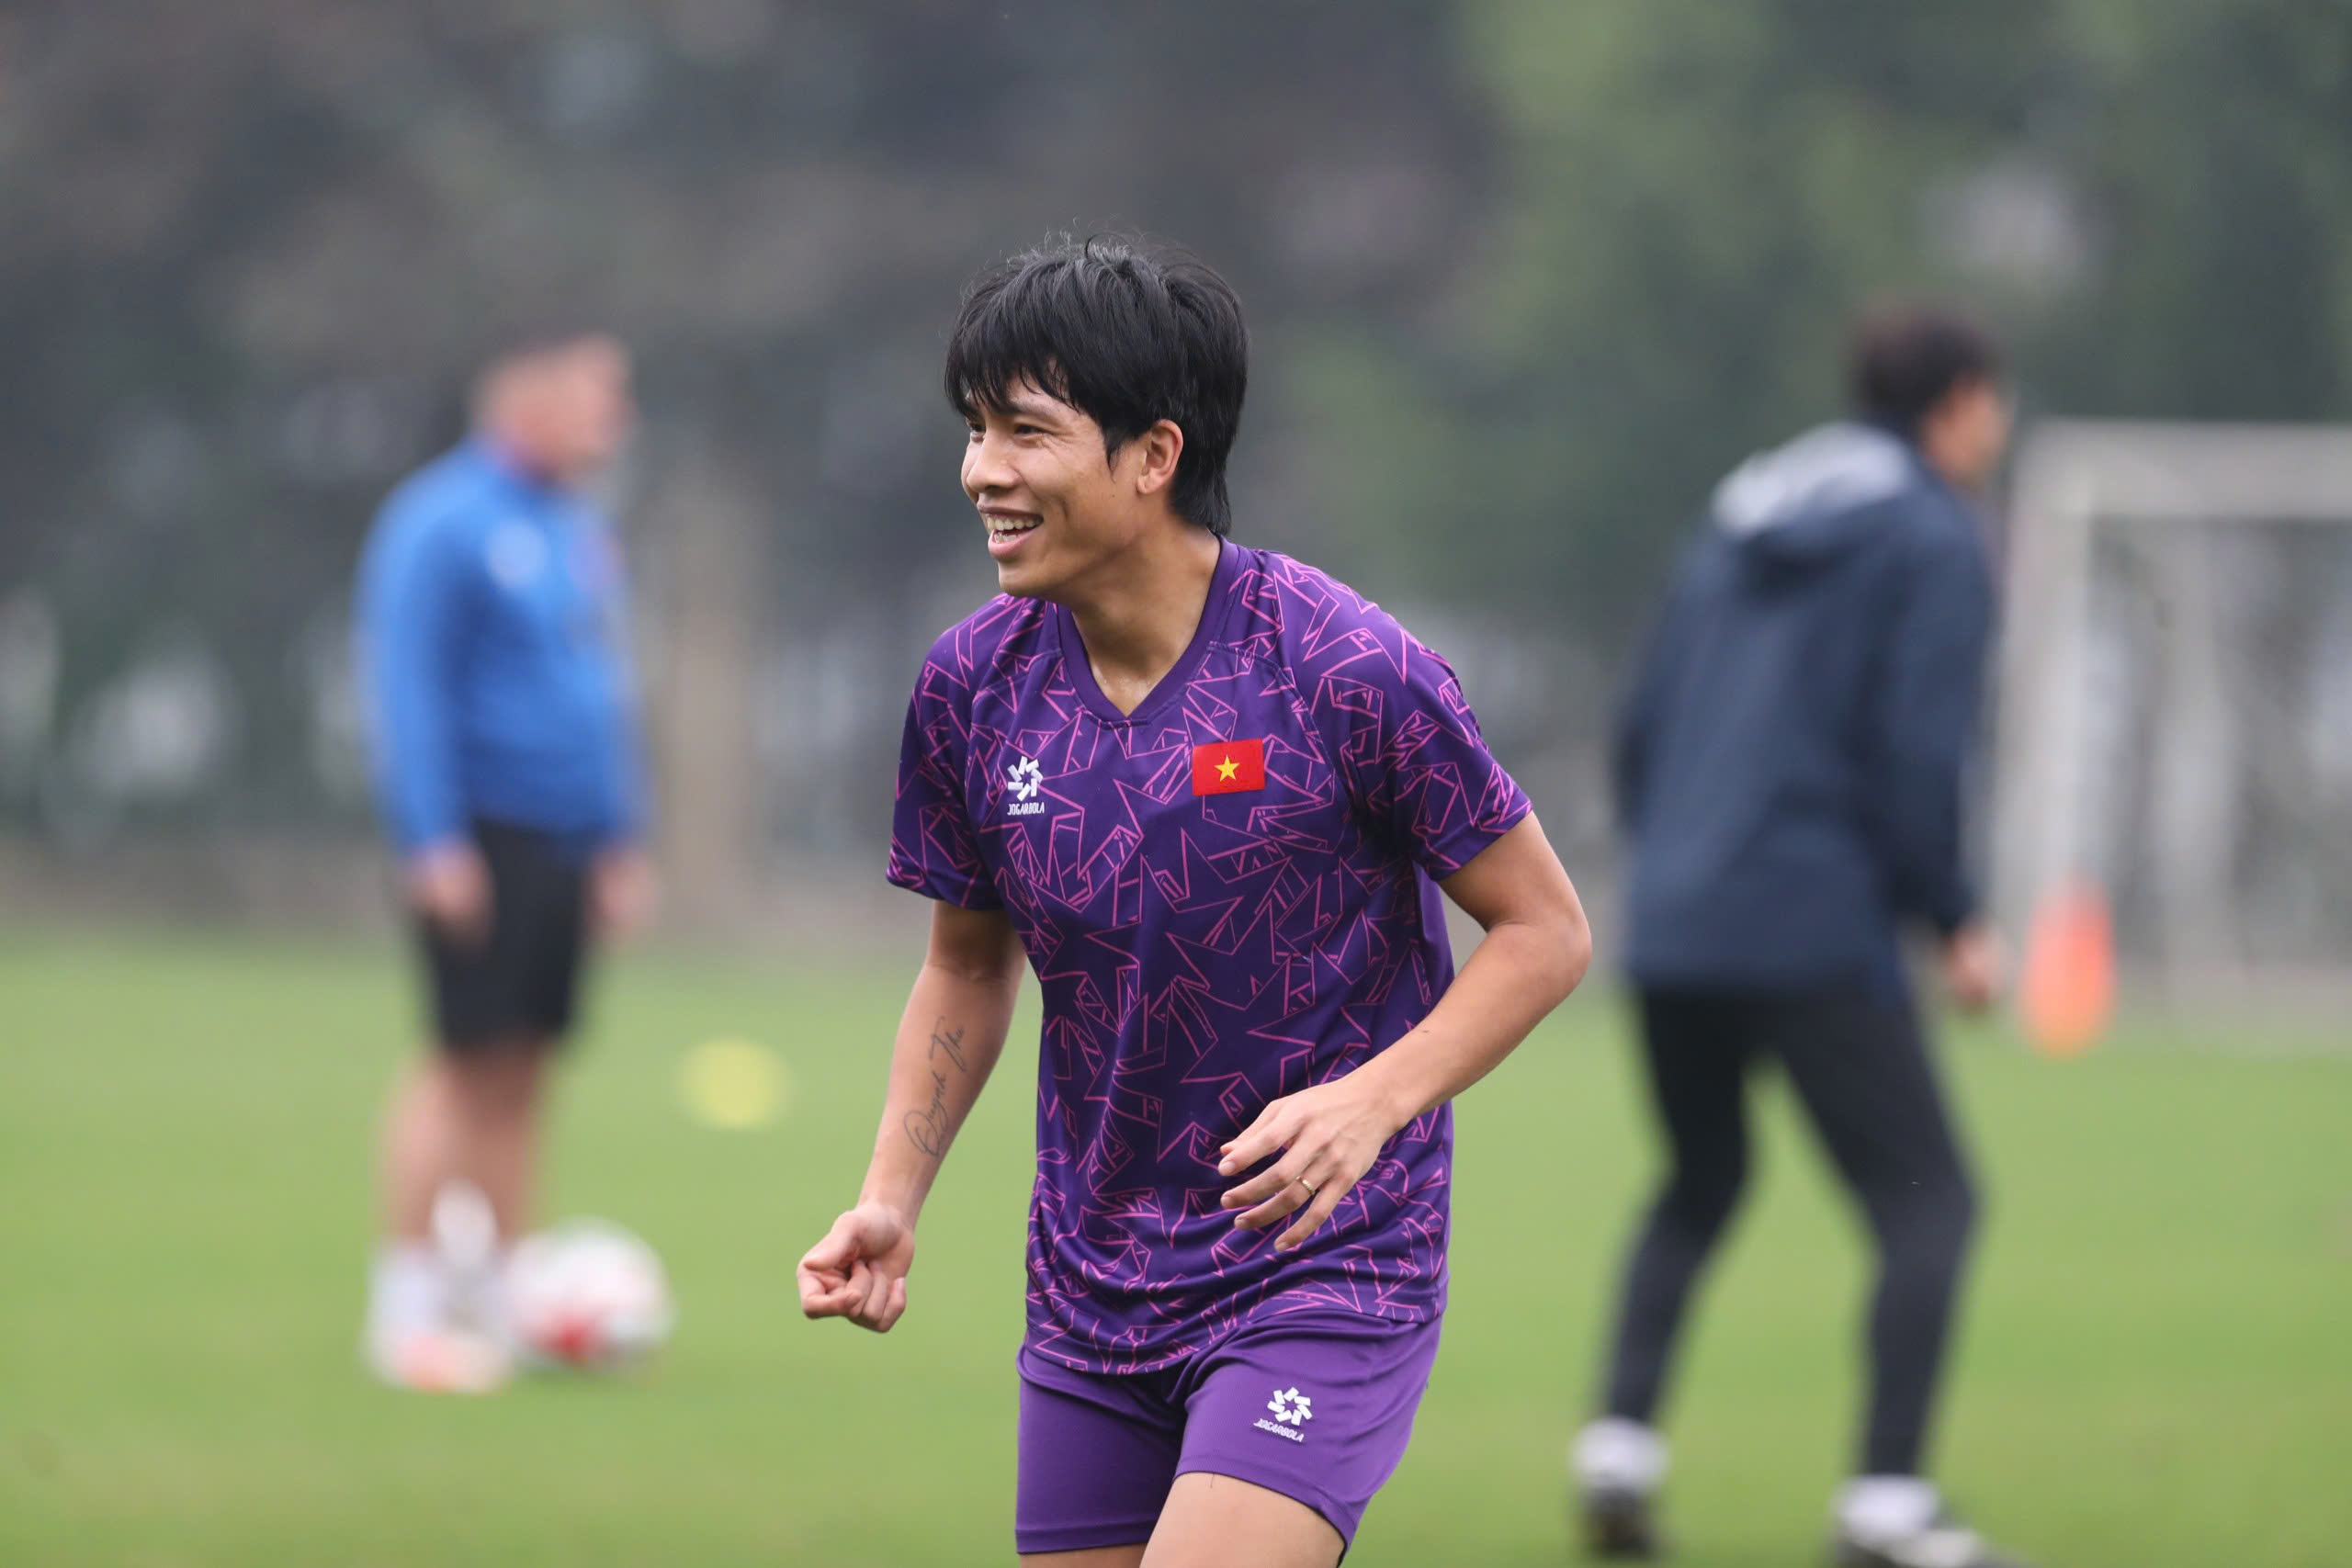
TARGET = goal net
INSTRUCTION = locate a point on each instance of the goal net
(2176, 702)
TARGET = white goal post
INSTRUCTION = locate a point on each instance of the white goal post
(2176, 690)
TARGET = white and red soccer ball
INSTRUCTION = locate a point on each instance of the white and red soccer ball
(587, 1294)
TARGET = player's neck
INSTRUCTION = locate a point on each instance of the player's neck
(520, 456)
(1138, 619)
(1954, 470)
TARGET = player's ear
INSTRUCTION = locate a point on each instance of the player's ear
(1157, 450)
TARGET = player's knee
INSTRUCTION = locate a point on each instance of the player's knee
(1964, 1208)
(1927, 1218)
(1954, 1201)
(1702, 1198)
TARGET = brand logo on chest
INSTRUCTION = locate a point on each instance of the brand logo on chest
(517, 555)
(1023, 779)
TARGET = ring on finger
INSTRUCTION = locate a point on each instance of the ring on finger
(1308, 1185)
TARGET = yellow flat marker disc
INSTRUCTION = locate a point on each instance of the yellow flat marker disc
(733, 1084)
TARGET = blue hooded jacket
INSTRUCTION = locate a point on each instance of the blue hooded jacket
(1789, 761)
(492, 658)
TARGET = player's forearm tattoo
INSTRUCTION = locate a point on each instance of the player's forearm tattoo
(949, 1042)
(932, 1128)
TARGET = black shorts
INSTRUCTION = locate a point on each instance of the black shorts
(521, 982)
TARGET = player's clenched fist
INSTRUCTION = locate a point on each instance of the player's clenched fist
(859, 1271)
(1327, 1137)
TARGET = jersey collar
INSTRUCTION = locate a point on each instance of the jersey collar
(1215, 613)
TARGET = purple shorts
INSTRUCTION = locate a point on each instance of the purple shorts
(1316, 1404)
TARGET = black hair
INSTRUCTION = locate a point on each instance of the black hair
(1906, 359)
(1127, 333)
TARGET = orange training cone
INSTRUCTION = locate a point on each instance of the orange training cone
(2067, 990)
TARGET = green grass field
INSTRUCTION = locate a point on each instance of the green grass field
(2155, 1369)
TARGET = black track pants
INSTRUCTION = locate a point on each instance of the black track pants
(1860, 1067)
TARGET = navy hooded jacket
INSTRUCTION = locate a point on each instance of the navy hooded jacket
(1789, 761)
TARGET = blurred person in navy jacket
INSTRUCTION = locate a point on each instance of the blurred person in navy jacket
(498, 690)
(1789, 769)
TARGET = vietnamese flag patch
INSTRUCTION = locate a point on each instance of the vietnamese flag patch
(1228, 767)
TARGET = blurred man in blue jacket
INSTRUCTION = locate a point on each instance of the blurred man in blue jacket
(1789, 773)
(494, 674)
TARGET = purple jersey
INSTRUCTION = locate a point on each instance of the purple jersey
(1227, 898)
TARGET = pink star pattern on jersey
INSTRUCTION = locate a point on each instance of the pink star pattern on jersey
(1202, 955)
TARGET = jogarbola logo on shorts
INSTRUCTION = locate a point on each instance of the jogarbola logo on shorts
(1025, 779)
(1293, 1409)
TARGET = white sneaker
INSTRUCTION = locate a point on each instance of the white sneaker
(1618, 1466)
(440, 1360)
(1941, 1542)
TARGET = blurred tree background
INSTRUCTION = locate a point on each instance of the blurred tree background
(1525, 277)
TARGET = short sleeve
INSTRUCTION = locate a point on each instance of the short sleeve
(933, 850)
(1415, 758)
